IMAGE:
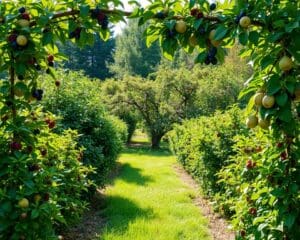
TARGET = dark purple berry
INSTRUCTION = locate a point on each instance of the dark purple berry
(94, 13)
(22, 10)
(207, 61)
(212, 6)
(160, 15)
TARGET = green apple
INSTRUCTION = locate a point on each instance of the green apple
(268, 101)
(180, 26)
(245, 22)
(252, 121)
(285, 63)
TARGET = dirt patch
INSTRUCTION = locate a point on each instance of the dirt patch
(217, 225)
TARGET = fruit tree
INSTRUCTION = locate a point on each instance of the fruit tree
(268, 30)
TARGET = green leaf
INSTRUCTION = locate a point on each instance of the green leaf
(221, 32)
(266, 61)
(291, 26)
(201, 57)
(285, 114)
(273, 85)
(254, 37)
(282, 99)
(47, 38)
(243, 38)
(84, 10)
(35, 213)
(289, 220)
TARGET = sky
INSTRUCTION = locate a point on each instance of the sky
(118, 28)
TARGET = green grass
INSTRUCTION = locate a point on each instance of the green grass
(148, 201)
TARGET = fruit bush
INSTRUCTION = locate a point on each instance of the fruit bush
(77, 101)
(203, 145)
(42, 184)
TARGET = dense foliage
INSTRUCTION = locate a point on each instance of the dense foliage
(203, 146)
(77, 101)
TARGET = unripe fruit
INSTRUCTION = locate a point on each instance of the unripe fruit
(180, 26)
(37, 198)
(252, 121)
(193, 41)
(23, 23)
(264, 124)
(23, 203)
(285, 63)
(258, 97)
(22, 40)
(245, 22)
(268, 101)
(211, 37)
(212, 34)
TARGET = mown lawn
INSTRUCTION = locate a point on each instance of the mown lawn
(148, 201)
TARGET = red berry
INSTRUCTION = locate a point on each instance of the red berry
(249, 164)
(50, 58)
(57, 83)
(26, 16)
(16, 145)
(51, 124)
(252, 211)
(200, 15)
(243, 233)
(47, 120)
(194, 12)
(283, 156)
(280, 145)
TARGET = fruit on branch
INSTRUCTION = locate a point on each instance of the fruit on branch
(23, 203)
(258, 97)
(196, 12)
(193, 41)
(76, 33)
(253, 211)
(22, 40)
(245, 22)
(50, 58)
(268, 101)
(285, 63)
(212, 6)
(37, 198)
(180, 26)
(25, 16)
(23, 23)
(211, 37)
(264, 123)
(37, 94)
(51, 124)
(252, 121)
(160, 15)
(57, 83)
(238, 18)
(283, 156)
(22, 10)
(16, 145)
(23, 216)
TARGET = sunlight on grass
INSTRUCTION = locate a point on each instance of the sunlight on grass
(148, 201)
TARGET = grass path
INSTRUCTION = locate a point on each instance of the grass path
(148, 201)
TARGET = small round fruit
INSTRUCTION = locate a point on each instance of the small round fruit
(193, 41)
(212, 6)
(215, 43)
(23, 23)
(285, 63)
(245, 22)
(37, 198)
(24, 215)
(180, 26)
(258, 97)
(252, 121)
(23, 203)
(19, 92)
(268, 101)
(22, 40)
(57, 83)
(212, 34)
(263, 123)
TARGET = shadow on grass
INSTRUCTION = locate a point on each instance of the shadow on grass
(120, 212)
(145, 149)
(133, 175)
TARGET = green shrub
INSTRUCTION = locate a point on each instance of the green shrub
(203, 145)
(78, 102)
(41, 185)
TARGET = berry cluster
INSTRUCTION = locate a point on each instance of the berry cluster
(101, 18)
(211, 56)
(196, 12)
(76, 33)
(37, 94)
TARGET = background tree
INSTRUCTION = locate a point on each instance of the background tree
(93, 60)
(131, 55)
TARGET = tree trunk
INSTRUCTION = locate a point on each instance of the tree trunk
(155, 140)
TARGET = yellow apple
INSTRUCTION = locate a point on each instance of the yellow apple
(245, 22)
(180, 26)
(252, 121)
(23, 23)
(23, 203)
(264, 124)
(258, 97)
(22, 40)
(268, 101)
(193, 41)
(285, 63)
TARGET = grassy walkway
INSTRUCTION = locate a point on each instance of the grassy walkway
(148, 201)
